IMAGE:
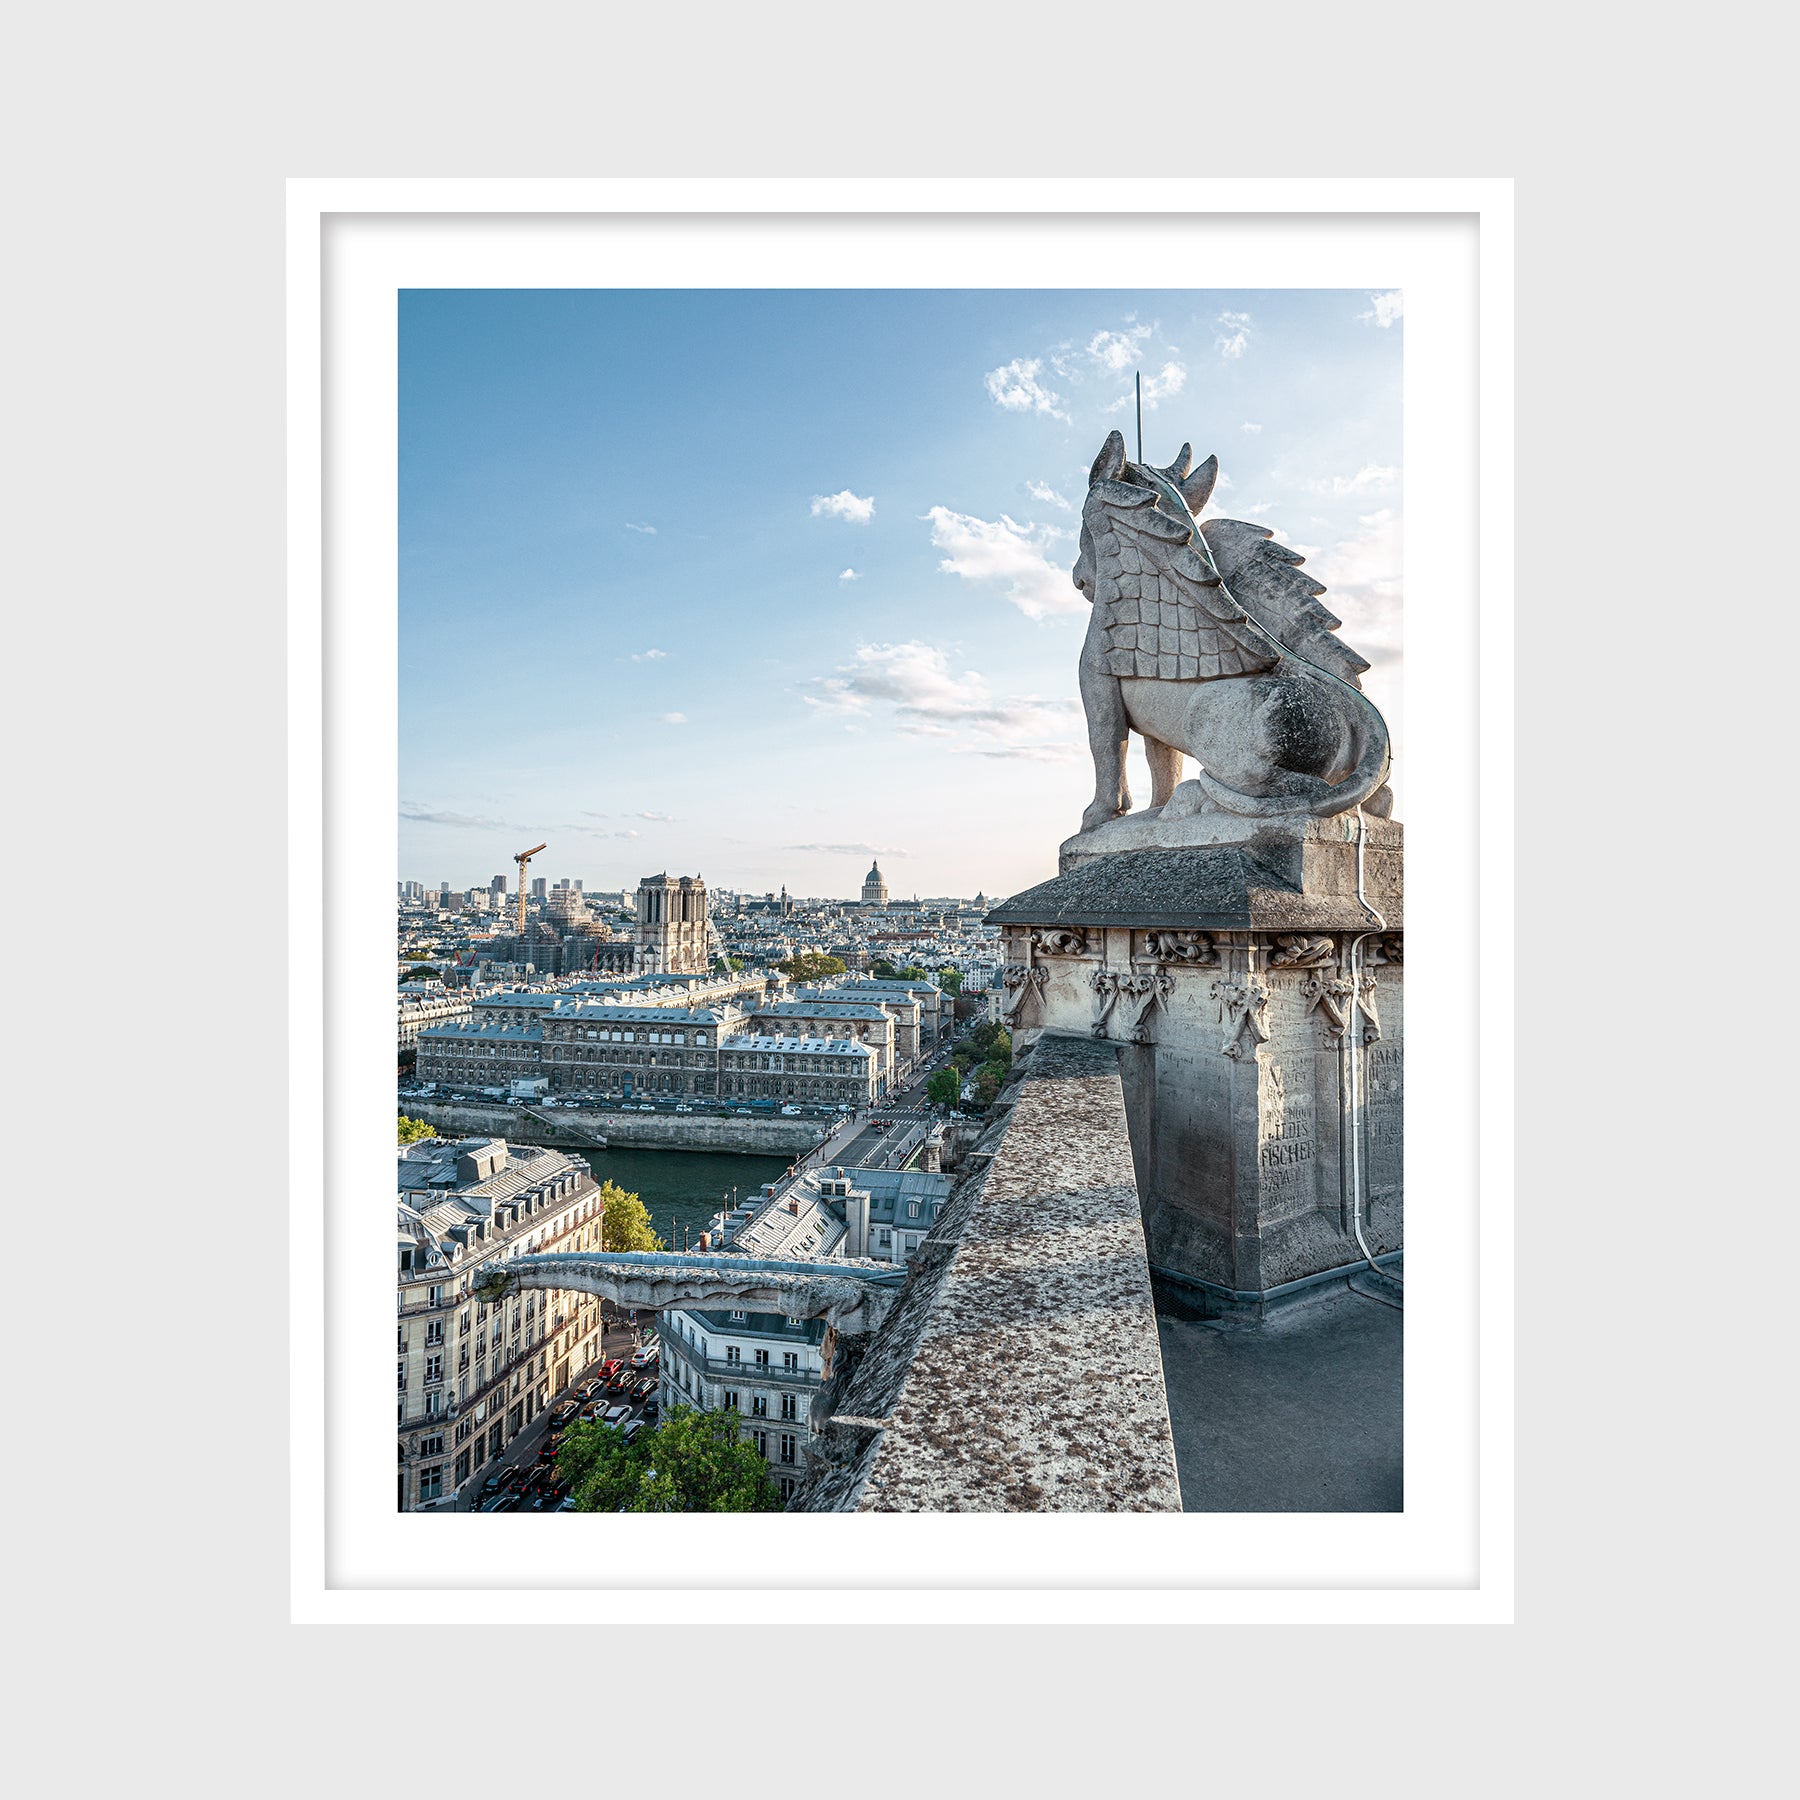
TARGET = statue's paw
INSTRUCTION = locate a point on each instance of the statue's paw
(1099, 814)
(1188, 798)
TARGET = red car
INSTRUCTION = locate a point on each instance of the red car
(610, 1368)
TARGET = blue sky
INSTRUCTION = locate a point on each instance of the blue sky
(758, 584)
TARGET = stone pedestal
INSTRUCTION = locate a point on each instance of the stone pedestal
(1224, 972)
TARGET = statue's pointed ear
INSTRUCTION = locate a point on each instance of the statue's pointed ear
(1198, 487)
(1179, 467)
(1110, 460)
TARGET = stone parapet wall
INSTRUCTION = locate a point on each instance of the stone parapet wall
(1020, 1369)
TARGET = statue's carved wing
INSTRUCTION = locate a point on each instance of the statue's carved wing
(1163, 611)
(1266, 577)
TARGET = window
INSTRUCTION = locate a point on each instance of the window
(788, 1485)
(403, 1378)
(435, 1296)
(433, 1445)
(737, 1315)
(790, 1359)
(789, 1407)
(789, 1445)
(762, 1359)
(762, 1442)
(733, 1353)
(759, 1405)
(434, 1331)
(431, 1482)
(731, 1400)
(434, 1368)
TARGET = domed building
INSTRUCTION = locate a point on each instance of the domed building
(874, 888)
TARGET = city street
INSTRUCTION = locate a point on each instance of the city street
(620, 1338)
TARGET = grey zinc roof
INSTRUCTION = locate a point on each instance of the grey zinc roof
(820, 1009)
(468, 1028)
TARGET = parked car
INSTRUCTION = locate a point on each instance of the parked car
(516, 1479)
(566, 1504)
(594, 1411)
(633, 1429)
(562, 1413)
(645, 1388)
(644, 1355)
(652, 1407)
(618, 1415)
(610, 1368)
(790, 1112)
(495, 1482)
(687, 1109)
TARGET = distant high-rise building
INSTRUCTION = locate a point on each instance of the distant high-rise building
(874, 888)
(540, 887)
(497, 885)
(672, 926)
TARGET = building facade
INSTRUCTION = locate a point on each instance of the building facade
(419, 1011)
(761, 1366)
(473, 1376)
(870, 1025)
(672, 935)
(806, 1071)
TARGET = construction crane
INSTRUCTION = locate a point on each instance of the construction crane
(523, 857)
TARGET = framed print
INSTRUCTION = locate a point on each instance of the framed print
(896, 715)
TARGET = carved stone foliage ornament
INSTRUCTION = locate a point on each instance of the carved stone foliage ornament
(1330, 999)
(1297, 951)
(1068, 940)
(1023, 986)
(1132, 997)
(1388, 948)
(1195, 949)
(1241, 1009)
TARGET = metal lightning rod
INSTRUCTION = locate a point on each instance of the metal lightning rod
(1139, 379)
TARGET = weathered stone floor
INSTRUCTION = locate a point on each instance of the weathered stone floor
(1299, 1414)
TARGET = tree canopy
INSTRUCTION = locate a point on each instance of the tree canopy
(691, 1462)
(421, 972)
(950, 980)
(943, 1089)
(813, 965)
(627, 1223)
(413, 1130)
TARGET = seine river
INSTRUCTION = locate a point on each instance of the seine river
(682, 1188)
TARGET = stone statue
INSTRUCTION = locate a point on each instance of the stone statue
(1208, 642)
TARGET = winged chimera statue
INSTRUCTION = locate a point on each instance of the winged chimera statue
(1207, 641)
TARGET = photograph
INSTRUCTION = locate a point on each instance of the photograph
(899, 907)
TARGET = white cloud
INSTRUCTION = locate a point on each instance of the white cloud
(1016, 387)
(1384, 309)
(1364, 575)
(471, 821)
(1371, 478)
(650, 656)
(1117, 350)
(1250, 427)
(844, 505)
(1171, 378)
(849, 575)
(658, 818)
(926, 699)
(846, 849)
(1262, 506)
(1042, 490)
(647, 530)
(674, 718)
(1009, 555)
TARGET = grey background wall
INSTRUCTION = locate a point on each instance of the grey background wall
(145, 557)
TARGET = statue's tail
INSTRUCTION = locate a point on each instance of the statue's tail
(1298, 795)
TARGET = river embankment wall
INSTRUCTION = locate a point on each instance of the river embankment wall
(623, 1131)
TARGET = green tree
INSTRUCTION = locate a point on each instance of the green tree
(416, 956)
(813, 965)
(723, 965)
(420, 972)
(987, 1081)
(950, 980)
(627, 1223)
(883, 970)
(412, 1130)
(691, 1462)
(943, 1089)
